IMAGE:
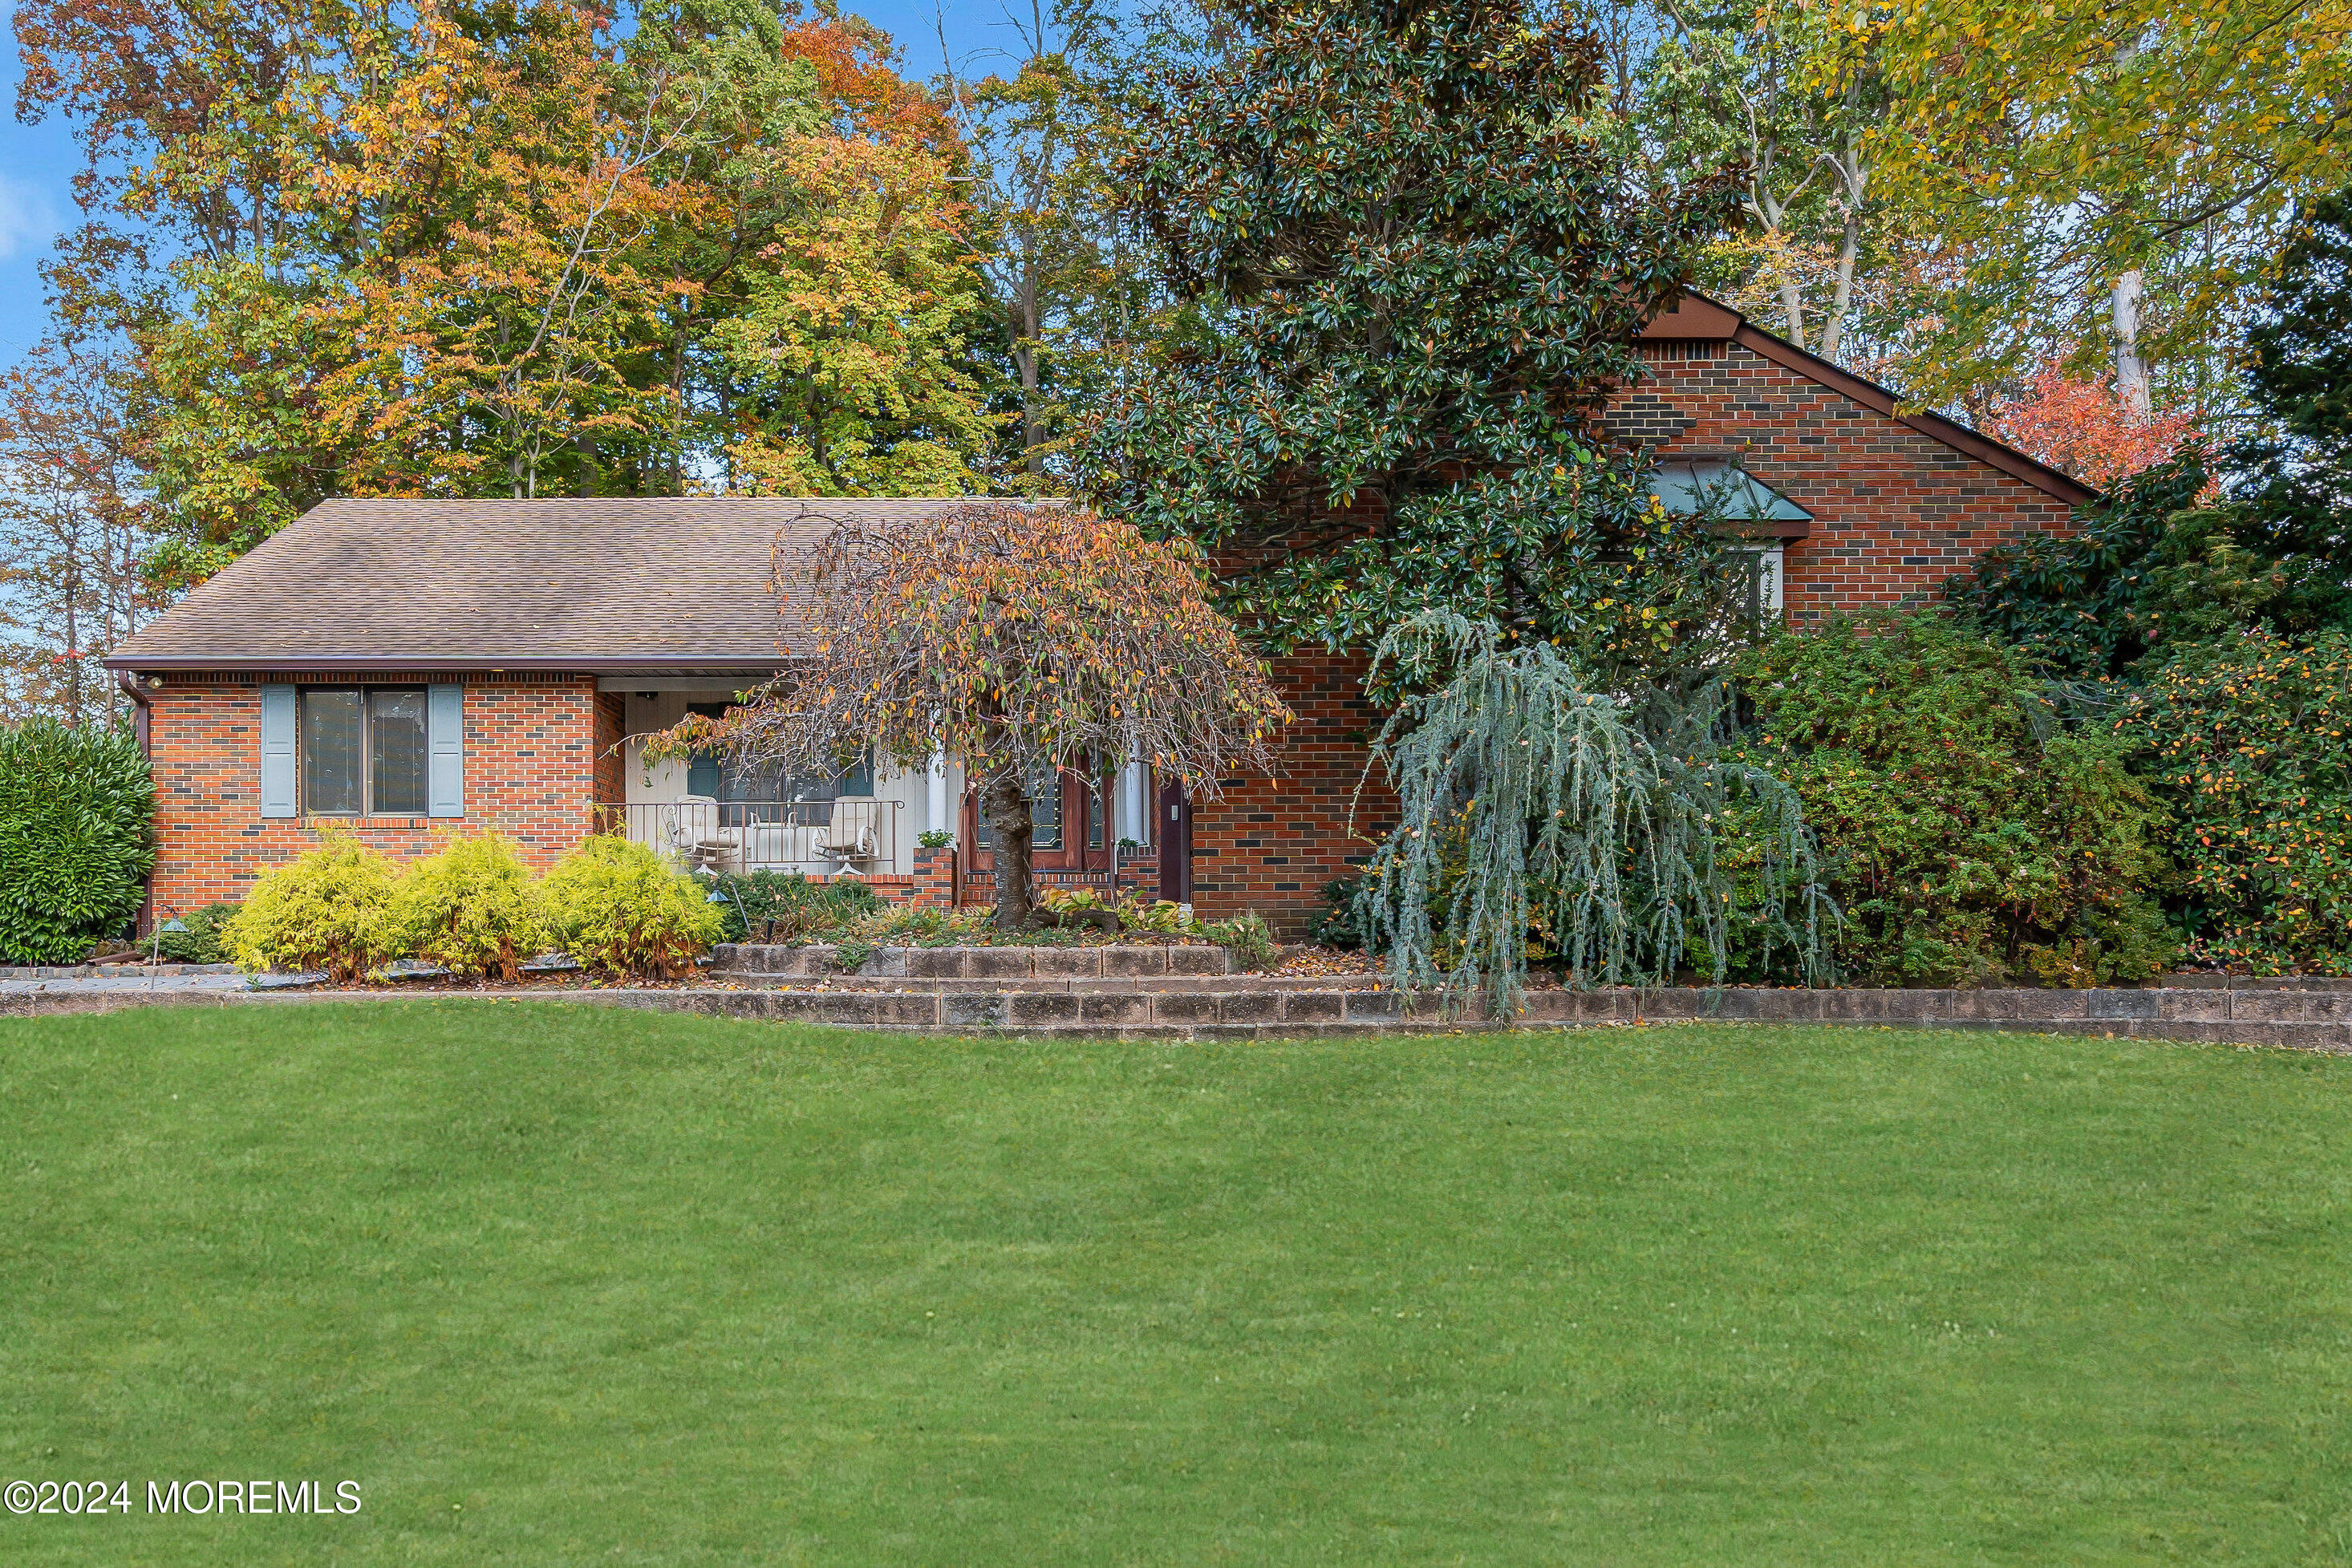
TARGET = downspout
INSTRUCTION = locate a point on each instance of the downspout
(141, 715)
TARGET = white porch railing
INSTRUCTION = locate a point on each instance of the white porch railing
(815, 838)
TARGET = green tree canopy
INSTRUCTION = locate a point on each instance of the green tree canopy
(1407, 267)
(2108, 181)
(2205, 546)
(513, 250)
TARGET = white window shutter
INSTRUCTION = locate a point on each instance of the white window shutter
(277, 751)
(445, 724)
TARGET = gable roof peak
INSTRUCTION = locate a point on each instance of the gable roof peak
(1696, 317)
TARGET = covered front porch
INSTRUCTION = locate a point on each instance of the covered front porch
(867, 821)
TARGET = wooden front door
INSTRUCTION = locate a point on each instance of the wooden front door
(1070, 831)
(1173, 830)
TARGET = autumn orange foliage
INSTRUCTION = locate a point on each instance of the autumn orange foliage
(2081, 428)
(853, 61)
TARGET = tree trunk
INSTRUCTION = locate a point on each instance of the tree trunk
(1851, 176)
(1792, 309)
(73, 629)
(2131, 370)
(1033, 428)
(1032, 434)
(1004, 805)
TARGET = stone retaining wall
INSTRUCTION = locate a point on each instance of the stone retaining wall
(99, 971)
(1128, 960)
(2310, 1019)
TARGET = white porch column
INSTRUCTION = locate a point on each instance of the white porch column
(935, 795)
(1134, 799)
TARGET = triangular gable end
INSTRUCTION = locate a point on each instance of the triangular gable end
(1697, 318)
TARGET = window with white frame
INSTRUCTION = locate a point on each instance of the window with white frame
(1758, 595)
(1722, 491)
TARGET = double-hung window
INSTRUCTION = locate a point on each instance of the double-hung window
(362, 751)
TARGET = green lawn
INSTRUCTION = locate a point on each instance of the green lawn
(578, 1286)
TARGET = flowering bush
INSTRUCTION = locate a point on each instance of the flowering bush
(2250, 743)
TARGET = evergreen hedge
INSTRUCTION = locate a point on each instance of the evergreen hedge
(1970, 837)
(77, 838)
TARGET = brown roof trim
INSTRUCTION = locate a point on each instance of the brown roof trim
(1934, 426)
(475, 665)
(1694, 316)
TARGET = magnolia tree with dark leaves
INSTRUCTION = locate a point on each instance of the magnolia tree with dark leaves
(1021, 639)
(1408, 270)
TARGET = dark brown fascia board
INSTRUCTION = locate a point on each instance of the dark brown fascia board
(1784, 529)
(1695, 318)
(1934, 426)
(485, 665)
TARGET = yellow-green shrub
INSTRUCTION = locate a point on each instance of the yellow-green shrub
(327, 909)
(472, 908)
(621, 909)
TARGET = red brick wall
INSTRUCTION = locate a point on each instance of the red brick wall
(530, 774)
(1895, 512)
(1270, 844)
(609, 771)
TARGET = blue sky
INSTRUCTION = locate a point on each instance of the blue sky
(38, 168)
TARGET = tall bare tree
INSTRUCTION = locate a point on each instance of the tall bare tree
(1064, 280)
(72, 526)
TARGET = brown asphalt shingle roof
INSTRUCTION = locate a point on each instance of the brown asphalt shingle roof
(568, 584)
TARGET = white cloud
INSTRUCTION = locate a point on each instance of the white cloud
(28, 219)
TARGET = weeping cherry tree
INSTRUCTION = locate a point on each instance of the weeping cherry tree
(1018, 638)
(1534, 805)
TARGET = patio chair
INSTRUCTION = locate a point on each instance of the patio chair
(699, 840)
(854, 831)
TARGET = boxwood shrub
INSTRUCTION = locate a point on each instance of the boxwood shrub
(77, 838)
(786, 906)
(201, 942)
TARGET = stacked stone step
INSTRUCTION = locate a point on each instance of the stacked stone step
(1188, 992)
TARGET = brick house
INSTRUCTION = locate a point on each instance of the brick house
(406, 668)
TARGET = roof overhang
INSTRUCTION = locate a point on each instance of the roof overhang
(1694, 318)
(487, 665)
